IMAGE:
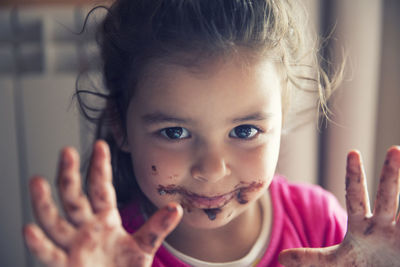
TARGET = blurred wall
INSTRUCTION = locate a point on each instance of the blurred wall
(388, 116)
(358, 30)
(366, 109)
(40, 57)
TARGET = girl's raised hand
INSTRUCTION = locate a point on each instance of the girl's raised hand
(371, 240)
(92, 234)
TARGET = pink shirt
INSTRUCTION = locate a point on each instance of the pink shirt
(303, 216)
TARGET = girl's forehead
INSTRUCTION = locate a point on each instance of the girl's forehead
(169, 73)
(219, 90)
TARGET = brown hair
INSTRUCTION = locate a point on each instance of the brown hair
(135, 32)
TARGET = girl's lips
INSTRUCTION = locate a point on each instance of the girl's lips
(196, 200)
(203, 202)
(240, 192)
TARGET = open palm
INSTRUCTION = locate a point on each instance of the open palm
(371, 239)
(92, 233)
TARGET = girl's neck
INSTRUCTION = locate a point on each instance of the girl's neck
(228, 243)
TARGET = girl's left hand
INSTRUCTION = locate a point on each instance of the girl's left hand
(371, 240)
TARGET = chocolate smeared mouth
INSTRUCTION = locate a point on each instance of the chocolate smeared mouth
(240, 192)
(196, 200)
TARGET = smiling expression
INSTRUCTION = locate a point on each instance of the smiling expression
(206, 139)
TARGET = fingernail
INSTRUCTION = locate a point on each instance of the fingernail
(393, 155)
(36, 189)
(100, 150)
(171, 208)
(353, 161)
(29, 234)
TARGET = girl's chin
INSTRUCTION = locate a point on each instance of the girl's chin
(208, 218)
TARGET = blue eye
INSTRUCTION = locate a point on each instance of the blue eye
(175, 133)
(244, 132)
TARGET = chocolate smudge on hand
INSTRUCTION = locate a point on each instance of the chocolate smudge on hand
(100, 195)
(152, 239)
(71, 207)
(370, 229)
(65, 182)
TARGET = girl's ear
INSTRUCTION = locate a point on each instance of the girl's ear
(120, 137)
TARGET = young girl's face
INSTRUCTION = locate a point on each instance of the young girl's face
(207, 139)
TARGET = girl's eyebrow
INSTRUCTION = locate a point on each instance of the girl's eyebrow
(257, 116)
(159, 117)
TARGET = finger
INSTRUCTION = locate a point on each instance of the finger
(386, 202)
(304, 257)
(75, 203)
(101, 190)
(153, 232)
(59, 230)
(43, 248)
(357, 200)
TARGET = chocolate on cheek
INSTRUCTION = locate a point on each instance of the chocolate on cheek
(243, 193)
(240, 198)
(173, 176)
(154, 170)
(186, 207)
(168, 189)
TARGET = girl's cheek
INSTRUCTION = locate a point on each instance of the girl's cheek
(258, 163)
(167, 166)
(158, 167)
(151, 172)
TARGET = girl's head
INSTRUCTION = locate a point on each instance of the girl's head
(206, 138)
(196, 95)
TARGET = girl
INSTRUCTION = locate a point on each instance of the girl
(197, 94)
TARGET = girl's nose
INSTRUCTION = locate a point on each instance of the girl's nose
(210, 168)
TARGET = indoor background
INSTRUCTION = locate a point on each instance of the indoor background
(40, 59)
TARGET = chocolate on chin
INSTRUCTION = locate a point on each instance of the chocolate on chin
(212, 213)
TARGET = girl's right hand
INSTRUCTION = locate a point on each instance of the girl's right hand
(93, 234)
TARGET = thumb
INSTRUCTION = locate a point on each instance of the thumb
(304, 257)
(150, 236)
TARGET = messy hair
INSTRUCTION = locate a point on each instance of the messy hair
(134, 33)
